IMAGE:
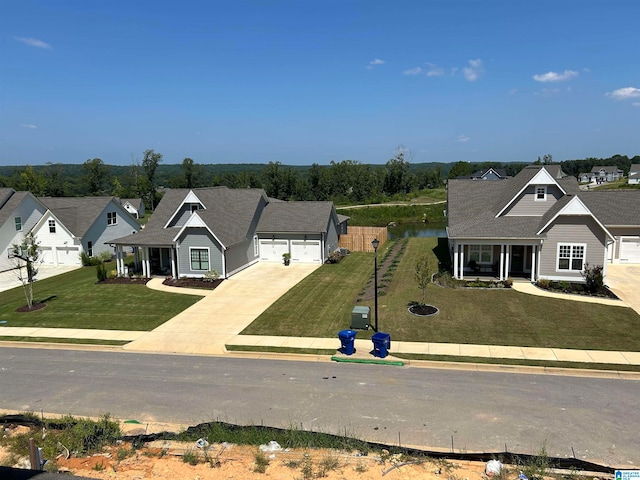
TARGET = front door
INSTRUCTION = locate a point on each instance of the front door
(517, 258)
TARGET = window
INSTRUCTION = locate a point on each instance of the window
(111, 218)
(541, 193)
(90, 248)
(52, 226)
(481, 253)
(256, 249)
(194, 208)
(199, 258)
(571, 257)
(18, 221)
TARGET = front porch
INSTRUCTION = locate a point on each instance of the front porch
(495, 261)
(148, 261)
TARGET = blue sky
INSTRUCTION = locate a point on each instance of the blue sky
(308, 81)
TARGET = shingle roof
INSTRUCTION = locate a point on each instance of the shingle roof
(296, 217)
(77, 214)
(11, 201)
(134, 202)
(606, 168)
(472, 207)
(5, 194)
(614, 207)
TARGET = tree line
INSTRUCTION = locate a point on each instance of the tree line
(343, 182)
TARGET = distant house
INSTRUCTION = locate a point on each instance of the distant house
(74, 225)
(134, 206)
(194, 231)
(587, 178)
(634, 174)
(538, 226)
(19, 212)
(607, 173)
(487, 174)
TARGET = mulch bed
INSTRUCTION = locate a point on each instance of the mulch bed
(423, 310)
(192, 283)
(33, 308)
(124, 281)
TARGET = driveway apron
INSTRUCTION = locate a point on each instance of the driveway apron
(624, 281)
(206, 326)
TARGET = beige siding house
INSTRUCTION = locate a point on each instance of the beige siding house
(539, 225)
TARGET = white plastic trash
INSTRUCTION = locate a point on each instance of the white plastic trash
(272, 446)
(492, 468)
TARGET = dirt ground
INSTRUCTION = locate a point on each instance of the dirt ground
(166, 460)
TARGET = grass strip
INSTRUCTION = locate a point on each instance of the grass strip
(74, 341)
(263, 349)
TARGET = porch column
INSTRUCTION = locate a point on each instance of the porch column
(461, 261)
(147, 261)
(533, 263)
(501, 268)
(119, 266)
(455, 259)
(173, 263)
(507, 261)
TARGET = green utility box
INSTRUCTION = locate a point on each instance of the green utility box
(360, 317)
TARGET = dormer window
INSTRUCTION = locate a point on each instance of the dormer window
(194, 208)
(541, 193)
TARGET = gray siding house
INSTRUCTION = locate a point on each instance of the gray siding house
(195, 231)
(538, 224)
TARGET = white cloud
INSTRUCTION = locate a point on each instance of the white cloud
(462, 139)
(555, 77)
(32, 42)
(474, 70)
(636, 104)
(624, 93)
(413, 71)
(374, 62)
(434, 70)
(28, 125)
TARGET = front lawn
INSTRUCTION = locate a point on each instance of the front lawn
(77, 302)
(321, 305)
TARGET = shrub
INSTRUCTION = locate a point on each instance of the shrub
(211, 276)
(101, 272)
(191, 457)
(105, 256)
(262, 462)
(334, 257)
(88, 261)
(544, 284)
(593, 278)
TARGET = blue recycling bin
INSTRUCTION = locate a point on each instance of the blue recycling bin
(347, 341)
(381, 344)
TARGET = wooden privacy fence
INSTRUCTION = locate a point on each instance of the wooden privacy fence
(359, 238)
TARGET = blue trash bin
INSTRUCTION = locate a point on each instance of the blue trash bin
(347, 340)
(381, 344)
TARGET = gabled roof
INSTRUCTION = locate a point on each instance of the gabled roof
(9, 202)
(530, 175)
(296, 217)
(574, 206)
(78, 214)
(614, 207)
(635, 168)
(482, 174)
(606, 168)
(134, 202)
(473, 207)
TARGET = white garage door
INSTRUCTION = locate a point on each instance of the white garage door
(46, 255)
(68, 256)
(272, 250)
(630, 249)
(306, 251)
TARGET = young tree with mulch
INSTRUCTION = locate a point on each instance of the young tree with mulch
(26, 258)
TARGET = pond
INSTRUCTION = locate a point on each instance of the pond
(407, 230)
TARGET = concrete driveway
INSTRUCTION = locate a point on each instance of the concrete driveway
(624, 281)
(206, 326)
(9, 280)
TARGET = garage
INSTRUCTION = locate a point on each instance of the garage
(630, 249)
(46, 255)
(272, 250)
(306, 251)
(68, 256)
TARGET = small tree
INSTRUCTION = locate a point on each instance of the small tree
(593, 278)
(26, 258)
(422, 275)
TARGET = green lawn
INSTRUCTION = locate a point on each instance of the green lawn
(321, 305)
(80, 303)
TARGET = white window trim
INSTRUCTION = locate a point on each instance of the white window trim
(208, 256)
(544, 197)
(571, 258)
(115, 218)
(480, 247)
(17, 220)
(52, 225)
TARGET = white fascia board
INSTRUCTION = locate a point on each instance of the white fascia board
(195, 221)
(543, 177)
(48, 215)
(189, 198)
(576, 207)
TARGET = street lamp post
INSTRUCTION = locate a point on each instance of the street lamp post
(375, 244)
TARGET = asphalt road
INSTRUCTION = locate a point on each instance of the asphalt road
(597, 419)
